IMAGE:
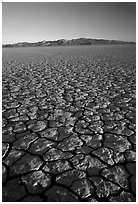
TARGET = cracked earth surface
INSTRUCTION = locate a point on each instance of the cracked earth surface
(69, 124)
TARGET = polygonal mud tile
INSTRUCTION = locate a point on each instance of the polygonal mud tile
(123, 197)
(68, 177)
(91, 106)
(83, 188)
(77, 158)
(36, 182)
(89, 116)
(41, 115)
(93, 141)
(8, 137)
(96, 127)
(90, 164)
(55, 123)
(64, 132)
(130, 155)
(11, 113)
(84, 150)
(20, 118)
(40, 146)
(108, 116)
(22, 134)
(32, 116)
(132, 126)
(131, 115)
(119, 157)
(101, 111)
(25, 164)
(39, 126)
(70, 143)
(25, 141)
(22, 109)
(20, 128)
(50, 133)
(57, 167)
(123, 130)
(127, 132)
(13, 156)
(31, 123)
(117, 174)
(104, 188)
(60, 194)
(55, 154)
(116, 142)
(105, 154)
(81, 127)
(7, 130)
(109, 125)
(70, 121)
(13, 191)
(118, 116)
(78, 114)
(58, 112)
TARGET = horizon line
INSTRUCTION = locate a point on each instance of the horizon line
(70, 39)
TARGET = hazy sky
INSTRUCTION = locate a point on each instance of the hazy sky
(34, 21)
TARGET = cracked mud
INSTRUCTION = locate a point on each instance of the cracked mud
(68, 119)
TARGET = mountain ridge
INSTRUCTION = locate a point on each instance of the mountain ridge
(63, 42)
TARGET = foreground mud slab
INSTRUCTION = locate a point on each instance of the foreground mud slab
(69, 124)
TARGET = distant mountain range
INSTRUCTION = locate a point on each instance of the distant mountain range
(63, 42)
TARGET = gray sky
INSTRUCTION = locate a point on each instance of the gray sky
(34, 21)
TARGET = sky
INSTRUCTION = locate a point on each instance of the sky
(37, 21)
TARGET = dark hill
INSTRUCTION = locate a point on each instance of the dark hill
(63, 42)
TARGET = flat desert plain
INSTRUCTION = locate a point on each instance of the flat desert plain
(68, 117)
